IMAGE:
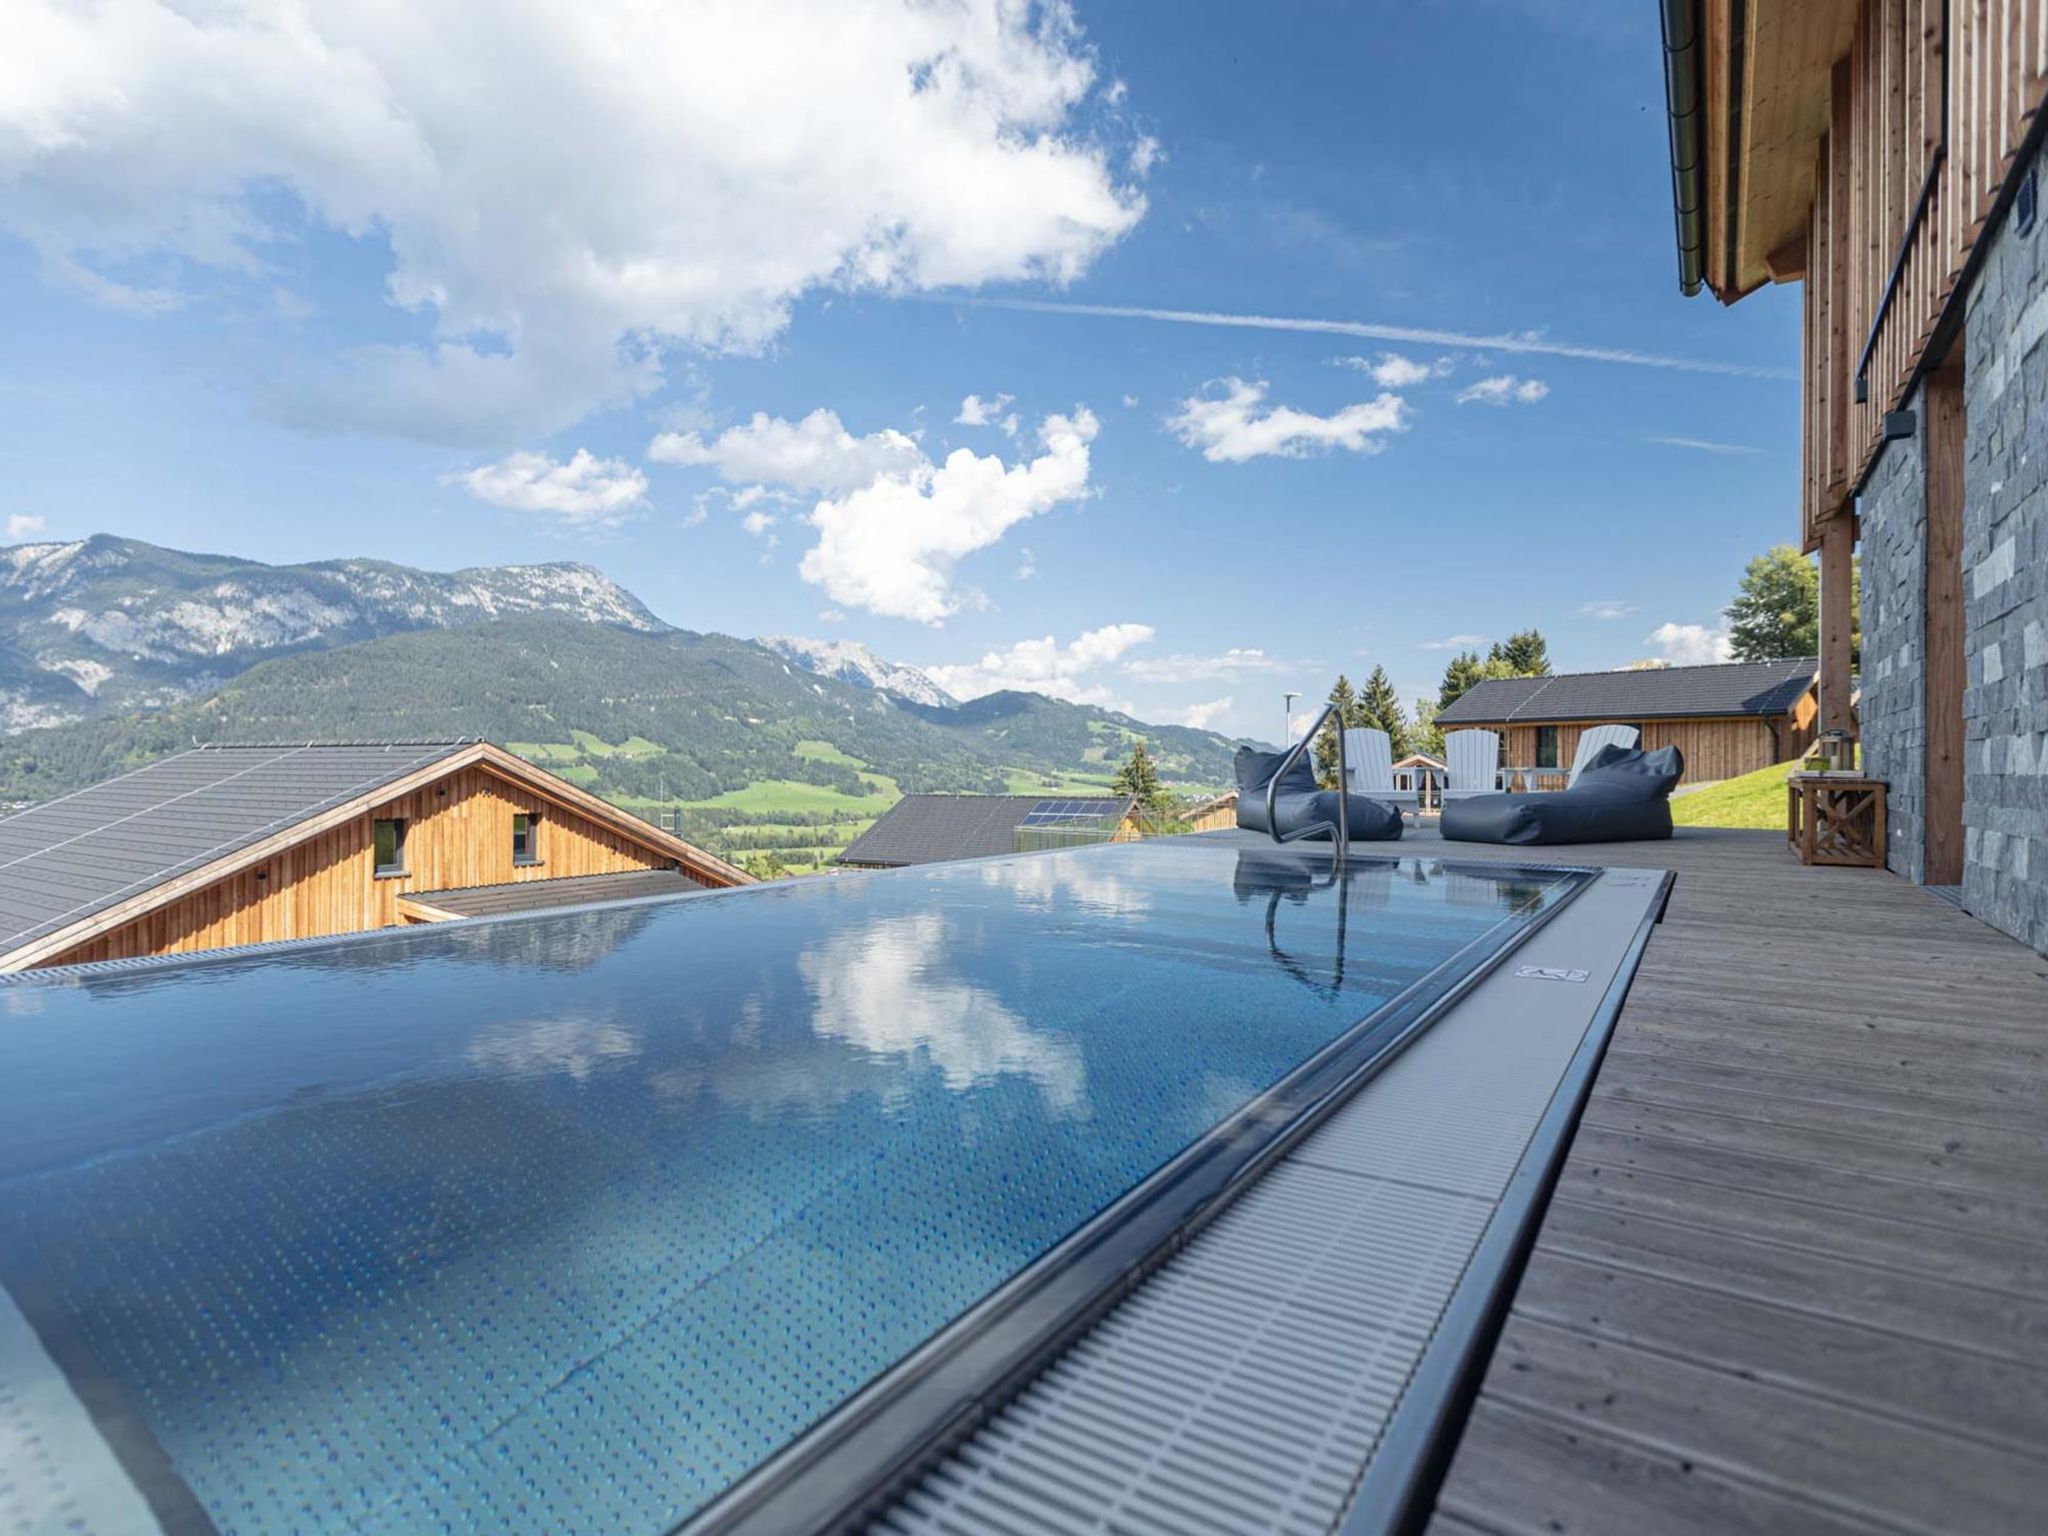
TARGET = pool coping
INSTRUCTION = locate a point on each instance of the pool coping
(872, 1446)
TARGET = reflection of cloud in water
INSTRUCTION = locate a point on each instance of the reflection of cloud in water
(574, 1044)
(881, 987)
(1087, 881)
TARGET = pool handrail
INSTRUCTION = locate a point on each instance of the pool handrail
(1340, 829)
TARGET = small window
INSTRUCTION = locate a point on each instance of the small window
(388, 839)
(1546, 746)
(525, 838)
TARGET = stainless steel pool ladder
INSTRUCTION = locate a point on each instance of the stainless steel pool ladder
(1340, 829)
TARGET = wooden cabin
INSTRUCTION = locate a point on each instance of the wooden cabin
(1728, 719)
(1888, 155)
(230, 845)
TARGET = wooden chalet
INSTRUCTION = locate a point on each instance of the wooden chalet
(232, 845)
(1727, 719)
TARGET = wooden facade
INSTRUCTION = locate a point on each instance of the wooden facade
(319, 878)
(1722, 747)
(1925, 115)
(1863, 147)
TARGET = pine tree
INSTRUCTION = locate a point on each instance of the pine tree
(1460, 674)
(1345, 697)
(1526, 653)
(1380, 706)
(1139, 779)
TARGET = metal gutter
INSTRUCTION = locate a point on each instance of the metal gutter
(1684, 97)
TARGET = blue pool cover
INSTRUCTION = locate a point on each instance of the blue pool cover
(564, 1222)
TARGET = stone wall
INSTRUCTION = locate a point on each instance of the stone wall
(2005, 585)
(1892, 714)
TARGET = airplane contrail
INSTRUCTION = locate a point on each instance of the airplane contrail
(1369, 331)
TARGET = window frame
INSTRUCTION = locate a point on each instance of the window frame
(1551, 734)
(532, 857)
(378, 868)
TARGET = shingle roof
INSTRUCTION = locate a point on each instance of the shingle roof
(565, 891)
(1657, 693)
(924, 829)
(62, 861)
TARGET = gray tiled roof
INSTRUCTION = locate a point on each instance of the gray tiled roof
(924, 829)
(567, 891)
(62, 861)
(1655, 693)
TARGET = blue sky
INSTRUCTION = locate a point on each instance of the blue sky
(341, 287)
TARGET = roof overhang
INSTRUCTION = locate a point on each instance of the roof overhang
(538, 782)
(1746, 84)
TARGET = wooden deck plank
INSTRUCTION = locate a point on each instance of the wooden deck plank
(1797, 1444)
(1519, 1474)
(1998, 1402)
(1760, 1230)
(1796, 1273)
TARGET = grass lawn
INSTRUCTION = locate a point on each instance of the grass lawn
(824, 752)
(1753, 800)
(769, 796)
(1018, 782)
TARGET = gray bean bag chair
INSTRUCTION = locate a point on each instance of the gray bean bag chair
(1622, 796)
(1300, 803)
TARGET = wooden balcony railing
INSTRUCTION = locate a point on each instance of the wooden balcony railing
(1926, 115)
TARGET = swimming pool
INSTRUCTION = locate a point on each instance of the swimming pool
(566, 1222)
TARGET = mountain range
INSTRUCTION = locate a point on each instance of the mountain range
(106, 624)
(852, 662)
(114, 652)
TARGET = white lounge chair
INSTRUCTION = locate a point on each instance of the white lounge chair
(1369, 760)
(1593, 739)
(1471, 764)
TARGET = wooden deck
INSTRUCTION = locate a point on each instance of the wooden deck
(1795, 1275)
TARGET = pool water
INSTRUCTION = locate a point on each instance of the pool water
(563, 1223)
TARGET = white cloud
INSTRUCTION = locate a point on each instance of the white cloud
(1701, 445)
(892, 524)
(1503, 389)
(1146, 155)
(600, 184)
(1027, 565)
(1689, 645)
(1607, 608)
(1238, 661)
(1045, 666)
(1130, 402)
(758, 522)
(888, 988)
(24, 525)
(1200, 715)
(891, 546)
(1456, 643)
(977, 412)
(816, 454)
(1238, 425)
(1390, 370)
(583, 492)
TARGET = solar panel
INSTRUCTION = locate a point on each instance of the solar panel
(1053, 813)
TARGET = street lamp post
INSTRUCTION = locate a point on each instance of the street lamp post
(1288, 739)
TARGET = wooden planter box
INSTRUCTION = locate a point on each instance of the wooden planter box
(1835, 818)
